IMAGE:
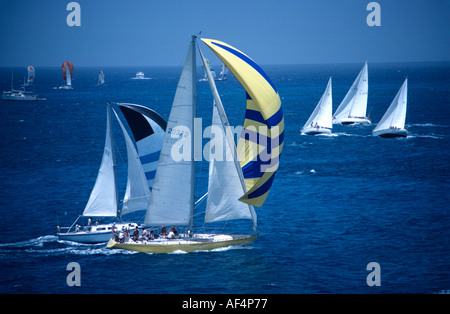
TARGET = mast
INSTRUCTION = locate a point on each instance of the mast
(194, 110)
(113, 153)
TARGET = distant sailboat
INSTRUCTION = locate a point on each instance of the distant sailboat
(392, 124)
(232, 192)
(31, 73)
(320, 121)
(101, 78)
(211, 69)
(223, 75)
(148, 130)
(352, 109)
(15, 94)
(67, 70)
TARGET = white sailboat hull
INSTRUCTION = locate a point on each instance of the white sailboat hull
(86, 236)
(388, 133)
(315, 131)
(18, 96)
(94, 234)
(349, 121)
(199, 242)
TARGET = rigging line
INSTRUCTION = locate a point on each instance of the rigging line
(200, 200)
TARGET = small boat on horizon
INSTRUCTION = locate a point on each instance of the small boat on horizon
(67, 71)
(140, 76)
(22, 94)
(101, 78)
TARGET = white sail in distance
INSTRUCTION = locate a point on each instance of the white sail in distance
(322, 114)
(354, 104)
(395, 116)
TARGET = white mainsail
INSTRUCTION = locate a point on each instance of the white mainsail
(322, 114)
(354, 104)
(172, 198)
(103, 201)
(395, 116)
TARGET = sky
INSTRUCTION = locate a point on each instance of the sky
(157, 32)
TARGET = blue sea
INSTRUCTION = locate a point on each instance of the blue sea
(337, 203)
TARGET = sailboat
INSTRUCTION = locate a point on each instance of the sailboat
(205, 67)
(320, 121)
(223, 75)
(392, 124)
(15, 94)
(101, 78)
(148, 130)
(352, 109)
(236, 184)
(31, 73)
(67, 70)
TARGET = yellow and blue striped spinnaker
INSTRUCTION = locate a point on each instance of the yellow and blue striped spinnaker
(262, 138)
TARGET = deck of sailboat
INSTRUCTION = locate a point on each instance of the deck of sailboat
(198, 242)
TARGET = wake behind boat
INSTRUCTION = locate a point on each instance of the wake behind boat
(234, 186)
(148, 130)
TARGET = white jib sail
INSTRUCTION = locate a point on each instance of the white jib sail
(322, 114)
(137, 193)
(395, 116)
(354, 103)
(226, 181)
(172, 197)
(103, 201)
(224, 186)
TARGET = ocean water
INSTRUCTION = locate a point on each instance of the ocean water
(337, 204)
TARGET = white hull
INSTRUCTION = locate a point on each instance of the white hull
(199, 242)
(349, 121)
(315, 131)
(86, 236)
(94, 234)
(66, 87)
(387, 133)
(18, 96)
